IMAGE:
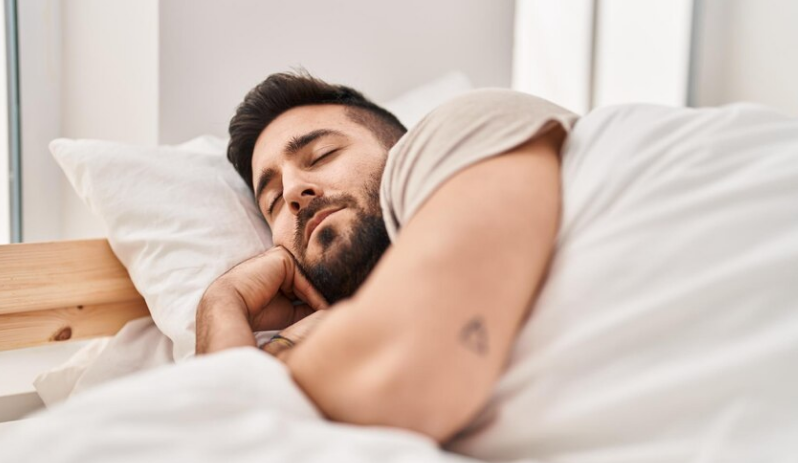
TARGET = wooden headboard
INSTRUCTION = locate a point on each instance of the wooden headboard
(53, 292)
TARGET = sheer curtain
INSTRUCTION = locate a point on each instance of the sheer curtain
(583, 54)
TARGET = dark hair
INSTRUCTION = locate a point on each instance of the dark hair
(283, 91)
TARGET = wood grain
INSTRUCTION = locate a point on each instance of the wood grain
(57, 325)
(59, 291)
(42, 276)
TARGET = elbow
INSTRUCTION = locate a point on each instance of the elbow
(376, 408)
(381, 378)
(413, 402)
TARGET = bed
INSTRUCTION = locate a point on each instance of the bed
(667, 329)
(74, 290)
(61, 291)
(55, 293)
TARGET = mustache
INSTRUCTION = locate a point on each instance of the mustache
(314, 206)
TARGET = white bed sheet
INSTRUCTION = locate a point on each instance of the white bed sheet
(138, 346)
(239, 405)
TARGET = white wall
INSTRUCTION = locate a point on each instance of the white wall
(110, 86)
(110, 73)
(40, 86)
(212, 52)
(748, 52)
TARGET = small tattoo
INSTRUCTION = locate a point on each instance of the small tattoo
(475, 336)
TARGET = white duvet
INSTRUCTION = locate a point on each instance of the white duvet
(235, 406)
(667, 330)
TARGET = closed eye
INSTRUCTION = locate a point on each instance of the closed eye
(323, 156)
(274, 202)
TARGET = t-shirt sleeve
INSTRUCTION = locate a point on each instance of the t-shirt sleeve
(472, 127)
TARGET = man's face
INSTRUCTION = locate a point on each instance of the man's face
(316, 175)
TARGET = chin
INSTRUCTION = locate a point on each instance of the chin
(330, 235)
(328, 243)
(342, 251)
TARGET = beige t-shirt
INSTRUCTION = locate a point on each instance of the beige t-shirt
(467, 129)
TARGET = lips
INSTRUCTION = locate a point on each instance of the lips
(316, 220)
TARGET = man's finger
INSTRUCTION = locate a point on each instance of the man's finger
(297, 285)
(308, 293)
(279, 314)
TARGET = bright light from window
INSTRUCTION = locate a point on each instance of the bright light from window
(629, 51)
(643, 52)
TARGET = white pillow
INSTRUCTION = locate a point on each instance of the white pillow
(176, 218)
(411, 106)
(667, 329)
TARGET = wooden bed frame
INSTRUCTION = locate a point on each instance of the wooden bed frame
(64, 290)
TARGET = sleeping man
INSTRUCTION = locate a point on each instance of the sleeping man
(404, 264)
(407, 267)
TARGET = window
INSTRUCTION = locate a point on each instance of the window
(588, 53)
(5, 158)
(9, 127)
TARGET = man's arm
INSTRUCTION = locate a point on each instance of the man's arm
(422, 343)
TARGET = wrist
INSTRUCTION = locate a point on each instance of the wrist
(223, 299)
(222, 323)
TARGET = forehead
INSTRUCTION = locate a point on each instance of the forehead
(299, 121)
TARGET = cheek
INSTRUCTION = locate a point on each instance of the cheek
(353, 177)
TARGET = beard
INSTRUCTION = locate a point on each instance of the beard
(347, 256)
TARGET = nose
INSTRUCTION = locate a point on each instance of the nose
(298, 192)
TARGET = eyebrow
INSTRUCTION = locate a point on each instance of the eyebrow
(292, 147)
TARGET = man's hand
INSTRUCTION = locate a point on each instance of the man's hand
(255, 295)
